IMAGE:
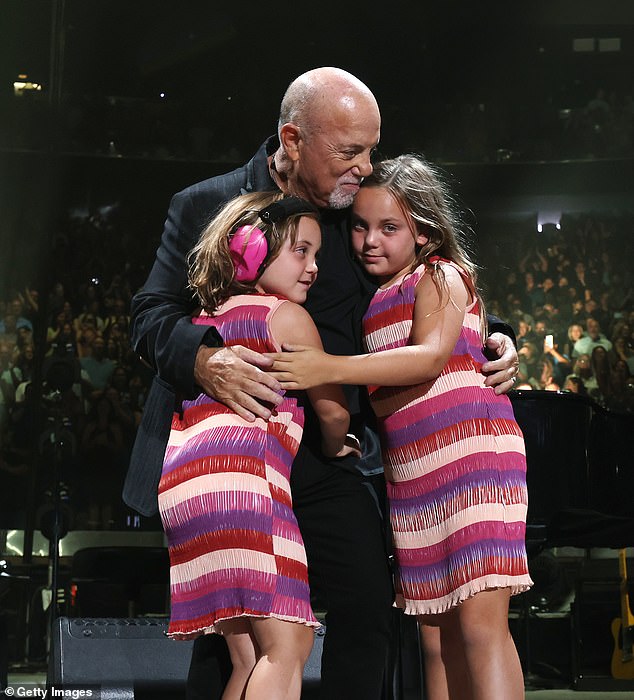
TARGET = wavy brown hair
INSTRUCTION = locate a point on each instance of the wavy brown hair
(424, 197)
(211, 268)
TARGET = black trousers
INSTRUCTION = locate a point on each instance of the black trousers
(340, 519)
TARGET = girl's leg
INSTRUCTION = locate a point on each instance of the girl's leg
(475, 637)
(446, 673)
(284, 649)
(492, 659)
(435, 673)
(244, 652)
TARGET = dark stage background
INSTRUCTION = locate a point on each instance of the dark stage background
(528, 109)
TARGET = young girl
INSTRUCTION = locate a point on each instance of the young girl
(453, 453)
(238, 565)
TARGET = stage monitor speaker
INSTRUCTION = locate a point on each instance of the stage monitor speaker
(132, 653)
(596, 606)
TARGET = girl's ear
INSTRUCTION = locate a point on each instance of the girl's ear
(421, 239)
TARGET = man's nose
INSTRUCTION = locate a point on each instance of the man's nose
(363, 165)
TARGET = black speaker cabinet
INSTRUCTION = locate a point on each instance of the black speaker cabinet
(596, 604)
(135, 654)
(129, 653)
(135, 657)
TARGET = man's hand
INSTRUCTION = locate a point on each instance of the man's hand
(234, 376)
(501, 373)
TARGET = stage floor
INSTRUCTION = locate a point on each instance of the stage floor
(32, 680)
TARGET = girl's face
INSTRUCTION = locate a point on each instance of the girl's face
(294, 270)
(384, 238)
(575, 332)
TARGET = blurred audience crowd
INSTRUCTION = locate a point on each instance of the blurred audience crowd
(567, 291)
(93, 388)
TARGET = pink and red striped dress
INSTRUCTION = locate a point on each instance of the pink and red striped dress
(224, 498)
(455, 467)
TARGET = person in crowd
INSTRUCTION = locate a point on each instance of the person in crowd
(603, 311)
(8, 328)
(577, 311)
(55, 327)
(63, 342)
(85, 332)
(574, 333)
(528, 357)
(120, 400)
(525, 333)
(623, 352)
(98, 367)
(25, 362)
(10, 379)
(560, 363)
(329, 125)
(56, 298)
(600, 363)
(532, 293)
(29, 297)
(256, 257)
(549, 291)
(91, 316)
(453, 453)
(574, 385)
(621, 396)
(582, 368)
(544, 376)
(17, 318)
(581, 278)
(102, 451)
(594, 338)
(540, 329)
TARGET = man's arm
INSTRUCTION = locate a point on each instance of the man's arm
(161, 328)
(162, 331)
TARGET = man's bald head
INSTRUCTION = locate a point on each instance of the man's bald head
(329, 125)
(321, 89)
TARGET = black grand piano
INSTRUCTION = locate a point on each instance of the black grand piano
(580, 469)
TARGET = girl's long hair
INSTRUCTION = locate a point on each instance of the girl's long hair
(424, 197)
(212, 273)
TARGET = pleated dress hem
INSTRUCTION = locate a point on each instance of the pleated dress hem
(441, 605)
(213, 628)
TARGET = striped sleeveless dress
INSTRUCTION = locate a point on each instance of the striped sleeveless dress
(224, 498)
(454, 463)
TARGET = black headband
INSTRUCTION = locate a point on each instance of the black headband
(285, 207)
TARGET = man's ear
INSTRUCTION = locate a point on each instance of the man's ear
(290, 139)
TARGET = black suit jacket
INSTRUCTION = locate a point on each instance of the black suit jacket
(163, 334)
(161, 328)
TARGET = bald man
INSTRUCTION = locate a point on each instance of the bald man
(328, 128)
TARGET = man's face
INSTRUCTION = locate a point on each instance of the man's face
(98, 347)
(334, 157)
(593, 329)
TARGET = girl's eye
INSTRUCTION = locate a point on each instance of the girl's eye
(358, 226)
